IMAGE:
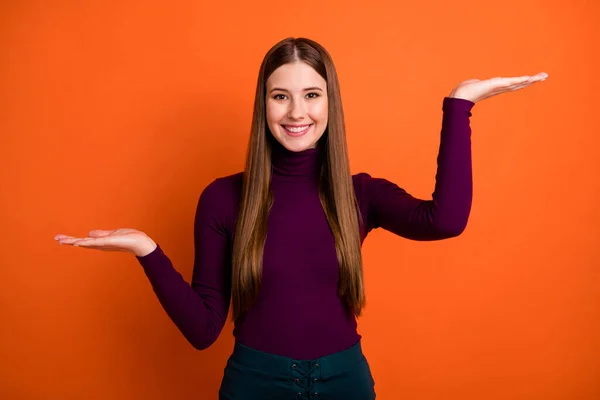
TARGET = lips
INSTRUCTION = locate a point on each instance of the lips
(296, 130)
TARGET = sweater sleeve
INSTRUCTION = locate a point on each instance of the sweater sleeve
(447, 213)
(199, 310)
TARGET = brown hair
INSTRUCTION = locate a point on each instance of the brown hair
(336, 190)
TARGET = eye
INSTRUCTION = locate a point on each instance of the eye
(277, 97)
(313, 94)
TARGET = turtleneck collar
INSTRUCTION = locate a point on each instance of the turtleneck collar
(292, 165)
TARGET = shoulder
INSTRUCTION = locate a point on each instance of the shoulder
(364, 182)
(361, 178)
(368, 187)
(363, 188)
(219, 201)
(229, 185)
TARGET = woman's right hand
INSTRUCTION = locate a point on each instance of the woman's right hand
(124, 239)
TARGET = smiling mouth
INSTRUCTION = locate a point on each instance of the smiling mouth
(296, 130)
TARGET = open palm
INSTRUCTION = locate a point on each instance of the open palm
(476, 90)
(123, 239)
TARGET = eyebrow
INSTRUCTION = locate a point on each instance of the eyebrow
(304, 90)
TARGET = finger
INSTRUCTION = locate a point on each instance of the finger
(104, 244)
(124, 230)
(505, 90)
(61, 236)
(99, 233)
(91, 246)
(507, 82)
(540, 76)
(90, 242)
(68, 240)
(525, 84)
(105, 241)
(521, 86)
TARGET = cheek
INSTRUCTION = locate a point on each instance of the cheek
(270, 112)
(319, 111)
(274, 114)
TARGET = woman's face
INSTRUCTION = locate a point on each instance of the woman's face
(296, 106)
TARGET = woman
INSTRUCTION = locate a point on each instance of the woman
(281, 241)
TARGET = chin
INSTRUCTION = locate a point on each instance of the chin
(298, 145)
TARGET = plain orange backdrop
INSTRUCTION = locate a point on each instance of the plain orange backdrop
(118, 114)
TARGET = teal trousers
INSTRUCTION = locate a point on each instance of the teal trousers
(255, 375)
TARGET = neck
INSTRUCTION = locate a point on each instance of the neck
(300, 165)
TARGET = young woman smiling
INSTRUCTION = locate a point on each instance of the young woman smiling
(281, 241)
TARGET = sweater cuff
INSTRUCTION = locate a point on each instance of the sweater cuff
(456, 104)
(153, 258)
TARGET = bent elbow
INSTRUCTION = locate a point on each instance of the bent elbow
(455, 232)
(202, 343)
(202, 339)
(453, 229)
(201, 335)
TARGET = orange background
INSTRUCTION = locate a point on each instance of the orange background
(119, 116)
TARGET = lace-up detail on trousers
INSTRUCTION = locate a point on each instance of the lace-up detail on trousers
(252, 374)
(306, 376)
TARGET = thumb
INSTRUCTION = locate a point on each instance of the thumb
(100, 233)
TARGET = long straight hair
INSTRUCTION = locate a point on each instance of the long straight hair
(336, 191)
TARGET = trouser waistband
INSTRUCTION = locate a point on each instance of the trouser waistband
(274, 364)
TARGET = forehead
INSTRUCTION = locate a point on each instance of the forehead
(295, 76)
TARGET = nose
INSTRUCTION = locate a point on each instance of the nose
(296, 110)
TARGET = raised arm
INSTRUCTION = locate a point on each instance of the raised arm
(446, 215)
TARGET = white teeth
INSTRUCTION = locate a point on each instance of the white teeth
(297, 129)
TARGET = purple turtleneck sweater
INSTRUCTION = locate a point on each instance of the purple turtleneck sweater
(298, 313)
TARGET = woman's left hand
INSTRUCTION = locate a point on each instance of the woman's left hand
(475, 90)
